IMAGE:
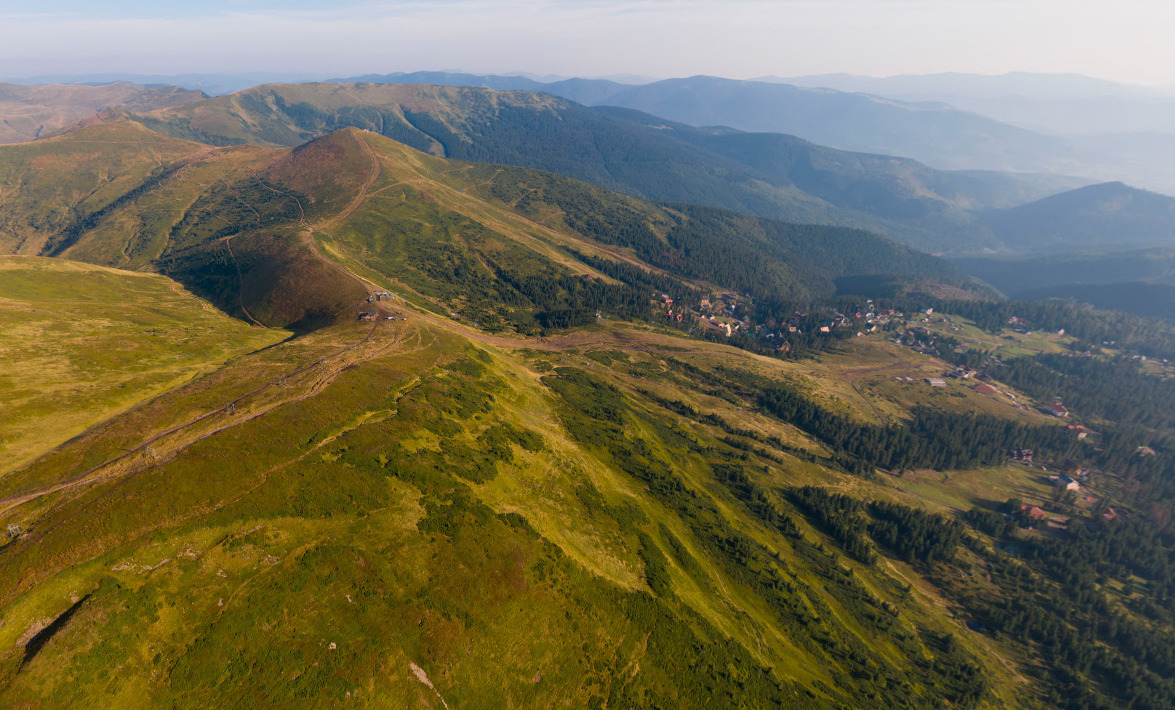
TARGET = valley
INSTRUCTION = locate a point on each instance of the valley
(414, 429)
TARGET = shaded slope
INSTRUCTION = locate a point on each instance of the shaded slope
(1151, 300)
(120, 195)
(1107, 216)
(1012, 275)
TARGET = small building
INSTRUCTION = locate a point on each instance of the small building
(936, 382)
(1065, 482)
(985, 389)
(1057, 410)
(1033, 513)
(1021, 455)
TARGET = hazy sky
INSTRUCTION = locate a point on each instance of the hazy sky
(1126, 40)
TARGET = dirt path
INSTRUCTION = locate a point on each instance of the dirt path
(179, 291)
(240, 284)
(364, 190)
(855, 375)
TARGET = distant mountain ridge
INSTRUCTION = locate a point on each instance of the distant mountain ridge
(1109, 215)
(774, 176)
(1069, 104)
(938, 135)
(30, 112)
(935, 121)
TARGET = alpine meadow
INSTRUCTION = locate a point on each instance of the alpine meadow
(444, 390)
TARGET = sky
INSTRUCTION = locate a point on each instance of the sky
(1124, 40)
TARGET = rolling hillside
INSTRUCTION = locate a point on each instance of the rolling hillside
(83, 343)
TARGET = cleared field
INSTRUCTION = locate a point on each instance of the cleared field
(82, 343)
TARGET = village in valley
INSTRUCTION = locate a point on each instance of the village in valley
(728, 315)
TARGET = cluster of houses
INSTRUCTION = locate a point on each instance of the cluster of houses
(961, 372)
(724, 314)
(376, 315)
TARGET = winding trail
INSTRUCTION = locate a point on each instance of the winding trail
(133, 461)
(96, 473)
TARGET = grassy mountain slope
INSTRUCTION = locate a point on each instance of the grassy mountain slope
(768, 175)
(52, 185)
(31, 112)
(101, 340)
(412, 502)
(1107, 216)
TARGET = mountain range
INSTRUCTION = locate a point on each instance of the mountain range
(482, 434)
(771, 175)
(235, 225)
(935, 132)
(766, 174)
